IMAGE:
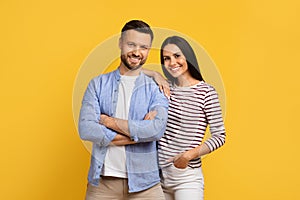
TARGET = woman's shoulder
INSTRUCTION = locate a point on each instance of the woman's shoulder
(208, 89)
(205, 86)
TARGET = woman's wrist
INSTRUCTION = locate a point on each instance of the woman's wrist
(156, 75)
(148, 72)
(191, 154)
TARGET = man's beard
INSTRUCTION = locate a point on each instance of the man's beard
(128, 66)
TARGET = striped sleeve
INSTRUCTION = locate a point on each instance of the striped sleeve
(214, 117)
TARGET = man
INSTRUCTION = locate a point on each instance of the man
(123, 113)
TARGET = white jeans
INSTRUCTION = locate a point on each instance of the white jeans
(182, 184)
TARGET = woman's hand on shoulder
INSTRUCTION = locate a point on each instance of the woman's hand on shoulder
(162, 83)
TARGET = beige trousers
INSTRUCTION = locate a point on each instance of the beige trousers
(112, 188)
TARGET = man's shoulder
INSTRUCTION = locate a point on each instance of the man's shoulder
(148, 79)
(105, 76)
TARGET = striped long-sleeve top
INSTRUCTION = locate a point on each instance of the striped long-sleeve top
(191, 110)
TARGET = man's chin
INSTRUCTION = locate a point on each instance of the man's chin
(134, 67)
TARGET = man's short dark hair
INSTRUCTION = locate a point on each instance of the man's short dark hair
(139, 26)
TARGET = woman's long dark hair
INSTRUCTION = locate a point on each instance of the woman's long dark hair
(189, 54)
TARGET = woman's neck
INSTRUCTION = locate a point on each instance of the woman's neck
(186, 81)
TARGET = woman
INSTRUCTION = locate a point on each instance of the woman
(193, 106)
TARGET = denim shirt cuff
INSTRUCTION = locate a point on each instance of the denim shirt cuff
(133, 131)
(109, 136)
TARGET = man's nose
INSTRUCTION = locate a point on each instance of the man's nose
(136, 51)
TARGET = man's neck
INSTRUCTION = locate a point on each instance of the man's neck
(127, 72)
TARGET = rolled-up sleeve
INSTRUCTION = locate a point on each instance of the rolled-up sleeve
(151, 130)
(88, 125)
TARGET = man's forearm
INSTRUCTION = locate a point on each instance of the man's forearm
(121, 126)
(121, 140)
(118, 125)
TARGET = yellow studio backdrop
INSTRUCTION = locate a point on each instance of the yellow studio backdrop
(255, 45)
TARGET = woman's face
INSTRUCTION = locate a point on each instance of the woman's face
(174, 61)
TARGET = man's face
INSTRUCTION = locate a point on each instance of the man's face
(134, 47)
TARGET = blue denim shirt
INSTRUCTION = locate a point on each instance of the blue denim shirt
(141, 158)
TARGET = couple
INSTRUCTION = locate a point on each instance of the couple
(135, 128)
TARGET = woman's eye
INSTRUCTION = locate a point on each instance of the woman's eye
(177, 55)
(166, 58)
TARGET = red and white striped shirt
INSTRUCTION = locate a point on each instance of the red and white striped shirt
(191, 110)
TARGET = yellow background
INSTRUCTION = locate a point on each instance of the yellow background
(254, 43)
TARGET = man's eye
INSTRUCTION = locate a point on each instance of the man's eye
(131, 44)
(144, 47)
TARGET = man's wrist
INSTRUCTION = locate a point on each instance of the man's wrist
(107, 121)
(104, 120)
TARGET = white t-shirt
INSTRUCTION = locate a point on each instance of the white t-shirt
(115, 159)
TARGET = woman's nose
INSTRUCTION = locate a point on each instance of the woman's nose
(173, 61)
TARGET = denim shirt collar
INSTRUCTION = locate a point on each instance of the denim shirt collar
(117, 75)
